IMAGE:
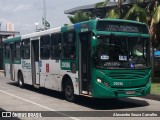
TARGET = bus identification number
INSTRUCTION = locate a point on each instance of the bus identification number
(118, 83)
(84, 29)
(65, 65)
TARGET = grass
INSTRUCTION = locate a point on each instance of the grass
(155, 88)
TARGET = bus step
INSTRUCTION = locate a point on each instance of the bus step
(85, 95)
(36, 86)
(84, 92)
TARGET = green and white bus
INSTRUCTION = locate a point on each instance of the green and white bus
(105, 58)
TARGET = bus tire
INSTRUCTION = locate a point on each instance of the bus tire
(20, 80)
(69, 91)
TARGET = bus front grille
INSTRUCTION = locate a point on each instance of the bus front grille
(127, 75)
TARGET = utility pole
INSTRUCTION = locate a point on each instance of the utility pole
(44, 14)
(0, 25)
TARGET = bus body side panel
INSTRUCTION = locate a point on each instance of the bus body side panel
(7, 70)
(17, 67)
(26, 71)
(45, 72)
(66, 69)
(49, 74)
(74, 79)
(54, 74)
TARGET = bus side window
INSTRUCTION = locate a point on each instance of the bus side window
(6, 51)
(25, 49)
(69, 45)
(56, 40)
(17, 50)
(45, 47)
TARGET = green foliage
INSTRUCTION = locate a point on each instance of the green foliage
(154, 11)
(79, 17)
(102, 4)
(114, 13)
(156, 15)
(137, 13)
(155, 89)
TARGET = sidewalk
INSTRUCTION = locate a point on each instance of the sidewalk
(152, 97)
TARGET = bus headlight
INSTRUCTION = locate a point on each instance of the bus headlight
(99, 80)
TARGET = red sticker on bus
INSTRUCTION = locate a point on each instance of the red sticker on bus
(47, 68)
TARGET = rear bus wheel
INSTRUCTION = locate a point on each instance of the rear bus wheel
(69, 91)
(20, 80)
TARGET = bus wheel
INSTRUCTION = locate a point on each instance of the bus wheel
(20, 80)
(69, 91)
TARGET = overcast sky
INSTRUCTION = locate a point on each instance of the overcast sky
(24, 13)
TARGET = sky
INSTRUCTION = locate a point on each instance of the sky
(24, 13)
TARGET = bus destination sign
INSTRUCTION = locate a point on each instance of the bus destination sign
(118, 26)
(122, 28)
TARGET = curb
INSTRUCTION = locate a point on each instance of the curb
(152, 97)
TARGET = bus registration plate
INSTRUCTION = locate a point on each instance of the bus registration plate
(130, 92)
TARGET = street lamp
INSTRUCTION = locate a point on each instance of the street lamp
(36, 24)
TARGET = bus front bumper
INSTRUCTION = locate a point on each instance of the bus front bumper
(100, 91)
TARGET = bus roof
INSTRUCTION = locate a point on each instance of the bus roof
(41, 33)
(123, 20)
(89, 22)
(77, 26)
(18, 38)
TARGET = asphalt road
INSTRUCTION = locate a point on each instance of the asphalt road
(13, 98)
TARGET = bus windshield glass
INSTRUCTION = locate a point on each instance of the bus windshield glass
(122, 52)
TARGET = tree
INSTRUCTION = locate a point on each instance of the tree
(137, 13)
(79, 17)
(116, 12)
(155, 22)
(102, 4)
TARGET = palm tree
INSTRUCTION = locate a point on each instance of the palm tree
(116, 12)
(155, 23)
(79, 17)
(102, 4)
(137, 13)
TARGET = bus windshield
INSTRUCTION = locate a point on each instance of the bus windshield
(122, 52)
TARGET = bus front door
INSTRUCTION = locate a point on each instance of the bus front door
(34, 62)
(85, 63)
(11, 59)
